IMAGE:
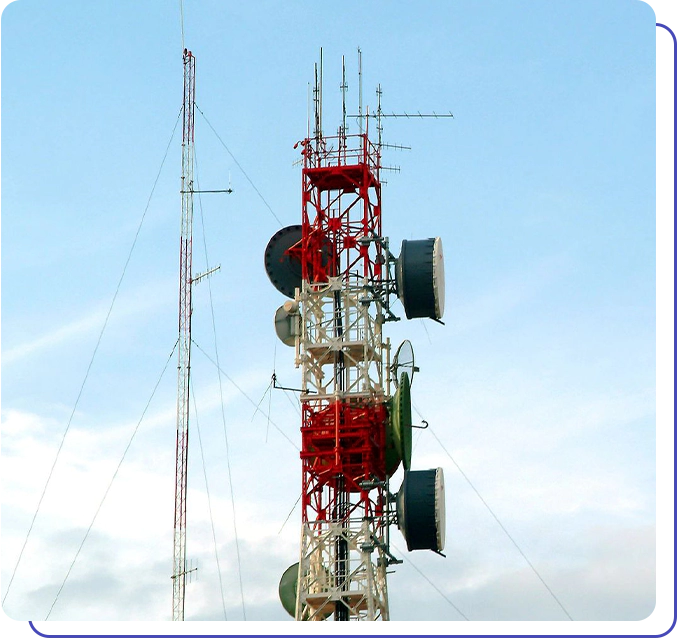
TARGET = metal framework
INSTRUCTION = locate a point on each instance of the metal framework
(354, 432)
(185, 312)
(345, 515)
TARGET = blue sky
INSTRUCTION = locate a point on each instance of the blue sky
(541, 384)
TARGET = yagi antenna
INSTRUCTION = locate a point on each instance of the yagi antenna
(418, 114)
(200, 276)
(399, 147)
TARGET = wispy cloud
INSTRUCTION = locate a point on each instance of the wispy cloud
(138, 301)
(77, 328)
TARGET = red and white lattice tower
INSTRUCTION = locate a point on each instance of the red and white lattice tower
(342, 570)
(340, 275)
(184, 343)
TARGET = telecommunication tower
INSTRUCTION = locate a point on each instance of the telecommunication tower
(340, 276)
(180, 570)
(186, 281)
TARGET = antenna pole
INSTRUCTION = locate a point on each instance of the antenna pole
(359, 76)
(343, 132)
(379, 126)
(320, 89)
(316, 106)
(344, 88)
(185, 313)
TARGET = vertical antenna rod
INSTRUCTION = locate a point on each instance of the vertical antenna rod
(379, 113)
(185, 312)
(359, 80)
(316, 106)
(344, 88)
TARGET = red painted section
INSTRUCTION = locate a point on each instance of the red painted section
(344, 439)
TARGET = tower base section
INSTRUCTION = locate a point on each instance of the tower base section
(342, 572)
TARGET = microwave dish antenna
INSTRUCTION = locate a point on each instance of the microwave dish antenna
(421, 512)
(283, 266)
(420, 278)
(404, 362)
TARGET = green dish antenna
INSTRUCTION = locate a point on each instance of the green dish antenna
(398, 430)
(288, 588)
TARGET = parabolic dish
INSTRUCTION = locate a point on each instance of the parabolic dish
(285, 272)
(420, 278)
(288, 323)
(288, 591)
(421, 513)
(392, 455)
(401, 422)
(288, 588)
(403, 362)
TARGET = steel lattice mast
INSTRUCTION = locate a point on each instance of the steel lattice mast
(337, 269)
(184, 344)
(344, 516)
(344, 546)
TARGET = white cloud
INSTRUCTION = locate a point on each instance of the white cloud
(135, 520)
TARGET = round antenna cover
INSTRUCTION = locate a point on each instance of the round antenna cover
(288, 588)
(420, 278)
(392, 455)
(421, 515)
(404, 362)
(288, 323)
(285, 272)
(401, 422)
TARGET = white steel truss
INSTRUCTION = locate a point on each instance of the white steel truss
(336, 322)
(361, 588)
